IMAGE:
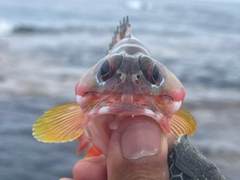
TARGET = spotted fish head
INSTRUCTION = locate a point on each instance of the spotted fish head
(126, 82)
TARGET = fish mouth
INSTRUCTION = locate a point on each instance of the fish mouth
(108, 119)
(120, 112)
(103, 119)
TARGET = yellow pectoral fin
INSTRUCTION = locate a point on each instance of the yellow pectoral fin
(182, 122)
(59, 124)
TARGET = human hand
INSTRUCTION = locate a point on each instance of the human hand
(138, 149)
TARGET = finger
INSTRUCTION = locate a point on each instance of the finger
(91, 169)
(138, 150)
(66, 179)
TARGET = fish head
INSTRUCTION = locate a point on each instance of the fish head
(127, 82)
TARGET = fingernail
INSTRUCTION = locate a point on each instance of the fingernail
(140, 139)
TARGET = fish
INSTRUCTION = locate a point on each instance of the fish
(128, 81)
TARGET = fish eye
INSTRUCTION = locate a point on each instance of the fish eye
(110, 67)
(105, 68)
(150, 70)
(155, 74)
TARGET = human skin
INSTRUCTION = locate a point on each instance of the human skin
(137, 151)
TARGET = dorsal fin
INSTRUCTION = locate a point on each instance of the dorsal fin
(122, 31)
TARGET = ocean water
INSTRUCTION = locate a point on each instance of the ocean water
(45, 46)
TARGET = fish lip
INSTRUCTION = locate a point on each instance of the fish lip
(122, 111)
(125, 107)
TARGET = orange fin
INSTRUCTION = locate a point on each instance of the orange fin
(182, 122)
(92, 151)
(59, 124)
(83, 143)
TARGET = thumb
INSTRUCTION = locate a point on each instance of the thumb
(138, 150)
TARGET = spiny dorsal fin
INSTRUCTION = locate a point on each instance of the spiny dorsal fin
(122, 31)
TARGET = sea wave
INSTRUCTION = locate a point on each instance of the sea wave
(22, 29)
(5, 27)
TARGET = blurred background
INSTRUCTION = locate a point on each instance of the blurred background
(45, 46)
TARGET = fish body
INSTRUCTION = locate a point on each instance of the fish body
(126, 82)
